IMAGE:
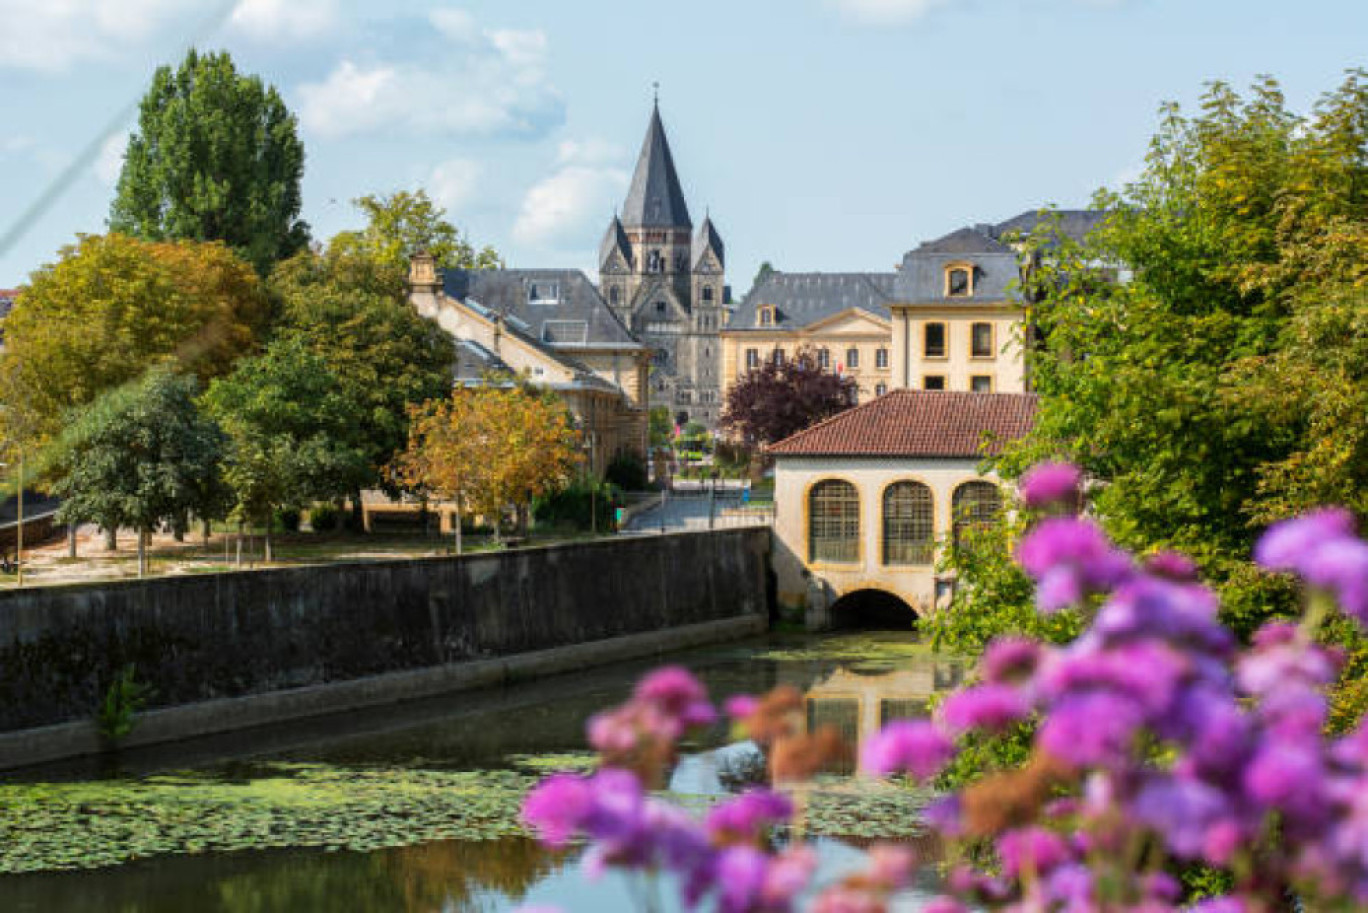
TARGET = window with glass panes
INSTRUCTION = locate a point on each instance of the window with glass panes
(834, 522)
(852, 358)
(881, 358)
(909, 535)
(976, 505)
(934, 340)
(824, 359)
(981, 345)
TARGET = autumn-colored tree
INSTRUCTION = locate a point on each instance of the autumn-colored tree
(782, 397)
(490, 448)
(112, 307)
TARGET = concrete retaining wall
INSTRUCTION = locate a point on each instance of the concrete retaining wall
(222, 636)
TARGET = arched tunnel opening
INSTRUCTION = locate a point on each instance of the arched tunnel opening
(872, 610)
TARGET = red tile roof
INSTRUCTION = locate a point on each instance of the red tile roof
(916, 423)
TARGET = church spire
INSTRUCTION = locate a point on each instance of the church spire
(655, 199)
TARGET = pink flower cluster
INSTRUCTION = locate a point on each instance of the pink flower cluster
(1158, 743)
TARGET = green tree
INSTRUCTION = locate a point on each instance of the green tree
(385, 356)
(215, 157)
(662, 426)
(1190, 390)
(110, 308)
(292, 433)
(140, 456)
(404, 222)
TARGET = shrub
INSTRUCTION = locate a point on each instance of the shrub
(287, 519)
(323, 518)
(627, 472)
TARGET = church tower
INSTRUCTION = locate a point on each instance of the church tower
(667, 284)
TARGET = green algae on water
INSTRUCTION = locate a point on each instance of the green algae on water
(65, 826)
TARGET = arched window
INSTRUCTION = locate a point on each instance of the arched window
(976, 505)
(834, 522)
(909, 534)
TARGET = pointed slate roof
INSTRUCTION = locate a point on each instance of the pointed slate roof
(615, 239)
(708, 239)
(655, 199)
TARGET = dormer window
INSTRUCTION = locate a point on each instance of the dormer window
(707, 293)
(959, 280)
(767, 315)
(543, 292)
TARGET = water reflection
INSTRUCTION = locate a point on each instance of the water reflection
(855, 684)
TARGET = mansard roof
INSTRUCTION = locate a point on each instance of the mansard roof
(655, 199)
(708, 239)
(569, 312)
(806, 298)
(615, 239)
(921, 277)
(918, 423)
(1073, 223)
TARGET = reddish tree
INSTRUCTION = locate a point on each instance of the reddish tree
(781, 398)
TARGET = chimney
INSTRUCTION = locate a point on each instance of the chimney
(422, 272)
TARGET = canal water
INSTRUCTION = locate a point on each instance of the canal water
(855, 681)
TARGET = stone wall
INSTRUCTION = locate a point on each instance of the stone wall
(215, 636)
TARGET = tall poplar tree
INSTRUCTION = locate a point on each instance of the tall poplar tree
(215, 158)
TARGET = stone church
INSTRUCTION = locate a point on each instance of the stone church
(667, 284)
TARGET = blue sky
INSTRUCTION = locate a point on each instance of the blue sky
(820, 134)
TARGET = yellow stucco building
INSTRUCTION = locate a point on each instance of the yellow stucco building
(946, 318)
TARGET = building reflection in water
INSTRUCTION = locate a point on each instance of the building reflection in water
(859, 703)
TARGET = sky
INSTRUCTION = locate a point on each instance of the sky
(821, 135)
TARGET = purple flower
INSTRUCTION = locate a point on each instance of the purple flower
(1181, 812)
(1341, 567)
(741, 706)
(557, 808)
(1049, 483)
(1146, 672)
(1287, 545)
(740, 879)
(678, 695)
(1171, 565)
(1183, 614)
(1009, 659)
(1282, 656)
(1221, 905)
(1069, 558)
(992, 706)
(912, 746)
(1287, 778)
(1094, 729)
(1031, 849)
(944, 905)
(1071, 887)
(743, 818)
(787, 875)
(1207, 721)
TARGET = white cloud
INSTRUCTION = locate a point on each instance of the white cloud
(900, 12)
(285, 21)
(887, 12)
(52, 35)
(453, 184)
(109, 163)
(487, 82)
(575, 200)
